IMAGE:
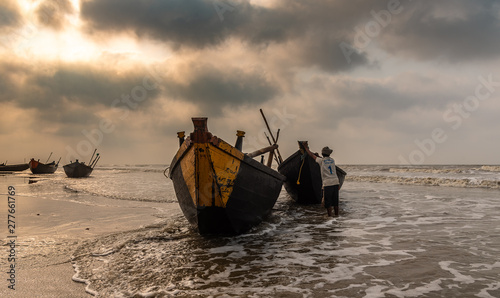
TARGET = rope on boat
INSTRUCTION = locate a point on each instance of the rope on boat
(207, 149)
(300, 170)
(165, 172)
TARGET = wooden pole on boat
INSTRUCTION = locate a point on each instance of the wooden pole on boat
(90, 161)
(275, 158)
(58, 160)
(270, 158)
(95, 160)
(181, 135)
(262, 151)
(272, 136)
(239, 141)
(49, 157)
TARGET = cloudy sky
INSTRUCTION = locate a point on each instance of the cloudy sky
(382, 81)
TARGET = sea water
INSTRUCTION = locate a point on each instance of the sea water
(403, 231)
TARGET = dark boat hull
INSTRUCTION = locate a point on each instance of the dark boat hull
(77, 170)
(41, 168)
(303, 178)
(14, 168)
(221, 190)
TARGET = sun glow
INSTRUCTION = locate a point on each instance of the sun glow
(33, 40)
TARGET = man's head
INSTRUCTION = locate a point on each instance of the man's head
(326, 151)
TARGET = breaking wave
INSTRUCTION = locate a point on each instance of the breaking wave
(491, 168)
(429, 181)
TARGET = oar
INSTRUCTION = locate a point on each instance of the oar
(92, 156)
(58, 161)
(262, 151)
(272, 136)
(49, 157)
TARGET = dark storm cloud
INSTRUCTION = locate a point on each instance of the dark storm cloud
(82, 84)
(52, 13)
(188, 23)
(316, 26)
(212, 88)
(9, 14)
(67, 93)
(72, 93)
(9, 72)
(453, 30)
(423, 30)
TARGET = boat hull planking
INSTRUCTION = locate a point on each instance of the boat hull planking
(77, 170)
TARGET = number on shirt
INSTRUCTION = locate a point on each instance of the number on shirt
(330, 167)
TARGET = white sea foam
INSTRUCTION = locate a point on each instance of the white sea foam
(491, 168)
(428, 181)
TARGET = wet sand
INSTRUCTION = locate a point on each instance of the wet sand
(48, 231)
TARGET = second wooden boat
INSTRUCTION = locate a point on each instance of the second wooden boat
(77, 170)
(37, 167)
(220, 189)
(303, 178)
(80, 169)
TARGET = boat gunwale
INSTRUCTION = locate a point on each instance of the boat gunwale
(246, 159)
(291, 157)
(74, 164)
(288, 159)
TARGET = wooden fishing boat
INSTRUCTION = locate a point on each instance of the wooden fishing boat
(13, 168)
(80, 169)
(220, 189)
(37, 167)
(303, 178)
(77, 170)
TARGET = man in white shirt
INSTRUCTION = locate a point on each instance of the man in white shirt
(329, 177)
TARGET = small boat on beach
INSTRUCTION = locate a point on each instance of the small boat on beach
(13, 168)
(303, 177)
(37, 167)
(80, 169)
(220, 189)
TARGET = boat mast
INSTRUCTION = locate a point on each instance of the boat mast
(92, 156)
(97, 157)
(272, 136)
(49, 157)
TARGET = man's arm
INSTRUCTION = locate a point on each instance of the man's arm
(306, 147)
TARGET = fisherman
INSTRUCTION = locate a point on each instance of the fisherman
(329, 177)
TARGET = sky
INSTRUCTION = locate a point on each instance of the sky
(380, 82)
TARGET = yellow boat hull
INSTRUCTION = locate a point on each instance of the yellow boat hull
(221, 190)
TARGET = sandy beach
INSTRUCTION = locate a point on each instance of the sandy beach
(49, 229)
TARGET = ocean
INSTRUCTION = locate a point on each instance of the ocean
(403, 231)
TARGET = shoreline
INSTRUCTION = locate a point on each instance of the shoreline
(49, 230)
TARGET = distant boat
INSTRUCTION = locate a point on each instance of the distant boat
(303, 178)
(13, 168)
(37, 167)
(220, 189)
(80, 169)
